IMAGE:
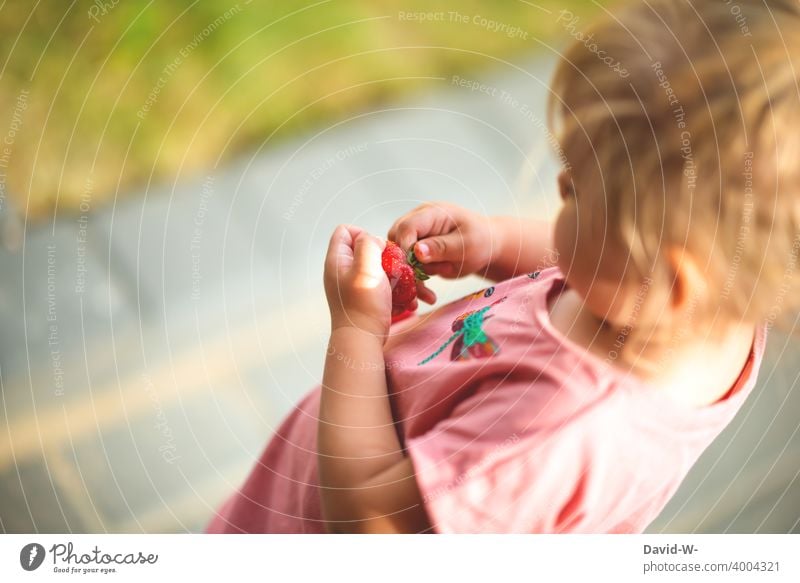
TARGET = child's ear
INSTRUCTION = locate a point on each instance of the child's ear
(689, 283)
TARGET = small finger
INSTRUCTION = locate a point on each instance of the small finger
(352, 232)
(420, 223)
(340, 242)
(402, 231)
(442, 269)
(425, 294)
(391, 234)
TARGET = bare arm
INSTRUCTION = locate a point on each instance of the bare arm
(525, 245)
(368, 484)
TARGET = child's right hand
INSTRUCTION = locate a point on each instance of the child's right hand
(449, 240)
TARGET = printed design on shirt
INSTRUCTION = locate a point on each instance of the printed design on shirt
(534, 275)
(469, 339)
(484, 293)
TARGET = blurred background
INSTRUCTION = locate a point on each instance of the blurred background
(169, 176)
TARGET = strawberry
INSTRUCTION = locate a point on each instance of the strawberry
(403, 270)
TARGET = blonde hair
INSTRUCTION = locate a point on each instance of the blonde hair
(698, 146)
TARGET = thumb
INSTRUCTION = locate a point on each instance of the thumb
(367, 252)
(447, 248)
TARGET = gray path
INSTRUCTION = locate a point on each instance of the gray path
(199, 320)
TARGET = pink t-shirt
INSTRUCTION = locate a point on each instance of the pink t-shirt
(511, 427)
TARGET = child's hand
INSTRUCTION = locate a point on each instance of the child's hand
(358, 291)
(451, 241)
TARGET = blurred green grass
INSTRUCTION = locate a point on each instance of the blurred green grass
(102, 98)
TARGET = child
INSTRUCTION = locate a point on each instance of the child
(571, 397)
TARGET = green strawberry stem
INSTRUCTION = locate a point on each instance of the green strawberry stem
(419, 272)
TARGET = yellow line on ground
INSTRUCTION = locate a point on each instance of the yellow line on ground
(111, 404)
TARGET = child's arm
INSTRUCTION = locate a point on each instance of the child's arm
(526, 245)
(453, 242)
(368, 485)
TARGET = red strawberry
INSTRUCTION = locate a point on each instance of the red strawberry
(403, 270)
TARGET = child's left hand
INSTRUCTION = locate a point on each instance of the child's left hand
(358, 291)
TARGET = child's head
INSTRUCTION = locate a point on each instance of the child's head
(680, 122)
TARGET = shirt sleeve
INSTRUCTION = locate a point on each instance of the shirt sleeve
(511, 458)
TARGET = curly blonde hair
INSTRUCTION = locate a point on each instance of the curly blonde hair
(697, 146)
